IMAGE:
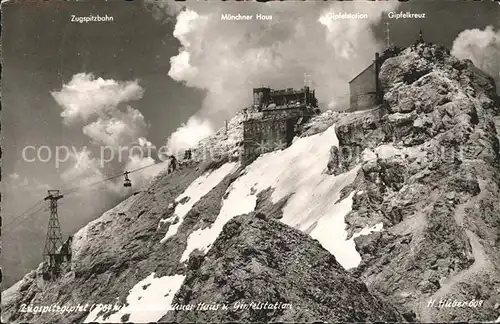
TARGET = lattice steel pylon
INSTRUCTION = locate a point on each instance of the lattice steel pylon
(53, 241)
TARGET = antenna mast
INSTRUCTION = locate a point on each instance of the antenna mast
(307, 80)
(307, 85)
(387, 35)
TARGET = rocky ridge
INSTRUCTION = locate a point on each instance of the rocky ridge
(225, 143)
(431, 173)
(257, 260)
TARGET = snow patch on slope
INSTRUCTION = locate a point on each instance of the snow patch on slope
(387, 151)
(197, 189)
(330, 232)
(296, 171)
(369, 230)
(148, 301)
(384, 151)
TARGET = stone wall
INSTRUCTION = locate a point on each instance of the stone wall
(283, 113)
(364, 101)
(267, 135)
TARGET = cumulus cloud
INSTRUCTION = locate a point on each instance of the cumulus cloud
(181, 69)
(229, 58)
(85, 96)
(99, 103)
(14, 176)
(20, 189)
(143, 147)
(118, 128)
(144, 142)
(482, 47)
(188, 135)
(141, 158)
(117, 131)
(87, 175)
(85, 169)
(31, 185)
(148, 170)
(137, 162)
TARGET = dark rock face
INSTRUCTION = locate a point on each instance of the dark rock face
(355, 132)
(257, 260)
(430, 172)
(265, 205)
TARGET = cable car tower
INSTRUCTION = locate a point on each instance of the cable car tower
(51, 266)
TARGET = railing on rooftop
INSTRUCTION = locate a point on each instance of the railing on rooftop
(286, 91)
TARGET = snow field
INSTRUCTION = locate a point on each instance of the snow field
(197, 189)
(298, 172)
(148, 301)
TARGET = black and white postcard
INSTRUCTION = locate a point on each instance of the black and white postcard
(250, 162)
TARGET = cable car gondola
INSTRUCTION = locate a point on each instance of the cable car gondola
(127, 182)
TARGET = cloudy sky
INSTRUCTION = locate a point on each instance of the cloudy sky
(169, 74)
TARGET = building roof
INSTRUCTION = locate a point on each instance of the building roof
(369, 66)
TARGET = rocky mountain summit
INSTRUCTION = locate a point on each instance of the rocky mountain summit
(389, 214)
(430, 173)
